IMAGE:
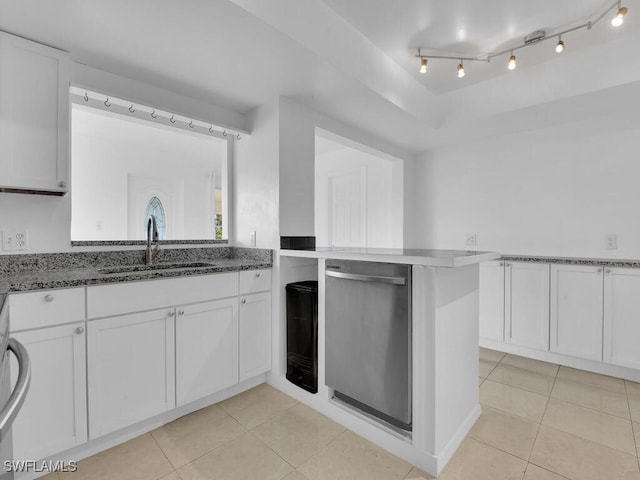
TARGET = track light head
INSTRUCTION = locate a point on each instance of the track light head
(512, 62)
(560, 46)
(423, 65)
(619, 18)
(461, 70)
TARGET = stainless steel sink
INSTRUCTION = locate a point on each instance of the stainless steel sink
(153, 267)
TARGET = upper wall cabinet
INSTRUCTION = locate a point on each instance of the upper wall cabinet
(34, 117)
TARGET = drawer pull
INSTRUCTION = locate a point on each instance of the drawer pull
(180, 312)
(244, 300)
(79, 330)
(607, 271)
(599, 269)
(172, 313)
(258, 274)
(48, 298)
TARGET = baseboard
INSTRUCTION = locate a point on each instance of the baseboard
(120, 436)
(566, 360)
(450, 448)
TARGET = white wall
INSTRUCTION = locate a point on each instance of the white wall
(549, 192)
(255, 181)
(382, 206)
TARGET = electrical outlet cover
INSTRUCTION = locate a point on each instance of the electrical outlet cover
(14, 240)
(611, 242)
(471, 239)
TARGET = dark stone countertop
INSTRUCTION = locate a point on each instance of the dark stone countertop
(21, 273)
(598, 262)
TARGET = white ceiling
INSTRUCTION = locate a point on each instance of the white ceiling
(352, 59)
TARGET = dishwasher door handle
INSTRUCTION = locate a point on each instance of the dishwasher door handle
(10, 410)
(367, 278)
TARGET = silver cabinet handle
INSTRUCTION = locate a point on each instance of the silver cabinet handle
(501, 264)
(79, 330)
(48, 298)
(367, 278)
(62, 184)
(258, 274)
(244, 300)
(180, 312)
(507, 264)
(607, 271)
(599, 269)
(11, 408)
(172, 313)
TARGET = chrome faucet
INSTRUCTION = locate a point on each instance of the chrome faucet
(152, 236)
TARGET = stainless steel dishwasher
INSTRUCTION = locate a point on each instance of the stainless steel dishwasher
(368, 337)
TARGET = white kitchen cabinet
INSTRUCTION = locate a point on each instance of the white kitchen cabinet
(255, 334)
(206, 349)
(576, 311)
(527, 304)
(131, 369)
(54, 415)
(621, 342)
(34, 116)
(492, 300)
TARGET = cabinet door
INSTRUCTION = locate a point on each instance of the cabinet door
(131, 369)
(255, 334)
(492, 300)
(206, 349)
(527, 304)
(53, 417)
(621, 343)
(34, 116)
(576, 311)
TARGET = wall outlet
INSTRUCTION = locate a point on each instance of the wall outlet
(252, 238)
(611, 242)
(471, 239)
(14, 240)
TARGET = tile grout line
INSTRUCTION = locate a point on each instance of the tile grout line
(165, 456)
(633, 429)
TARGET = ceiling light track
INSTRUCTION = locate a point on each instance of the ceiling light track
(534, 38)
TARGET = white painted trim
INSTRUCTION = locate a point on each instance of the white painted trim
(455, 441)
(566, 360)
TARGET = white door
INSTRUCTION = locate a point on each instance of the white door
(206, 349)
(255, 334)
(348, 209)
(34, 115)
(131, 367)
(576, 311)
(621, 343)
(170, 192)
(53, 417)
(492, 300)
(527, 304)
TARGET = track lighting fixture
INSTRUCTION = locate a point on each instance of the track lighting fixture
(533, 39)
(619, 18)
(423, 65)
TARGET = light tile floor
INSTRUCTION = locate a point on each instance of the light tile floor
(539, 422)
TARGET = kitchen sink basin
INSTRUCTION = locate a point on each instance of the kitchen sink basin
(153, 267)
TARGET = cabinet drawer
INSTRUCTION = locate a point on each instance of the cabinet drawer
(46, 308)
(252, 281)
(120, 298)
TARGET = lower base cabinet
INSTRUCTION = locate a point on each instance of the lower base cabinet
(131, 369)
(576, 311)
(53, 417)
(206, 349)
(255, 334)
(621, 342)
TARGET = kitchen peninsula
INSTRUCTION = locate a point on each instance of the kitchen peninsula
(443, 342)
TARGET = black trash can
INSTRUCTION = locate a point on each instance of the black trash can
(302, 334)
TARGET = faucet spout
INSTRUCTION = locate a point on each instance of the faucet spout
(152, 236)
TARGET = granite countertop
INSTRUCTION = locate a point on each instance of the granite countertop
(426, 257)
(60, 270)
(598, 262)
